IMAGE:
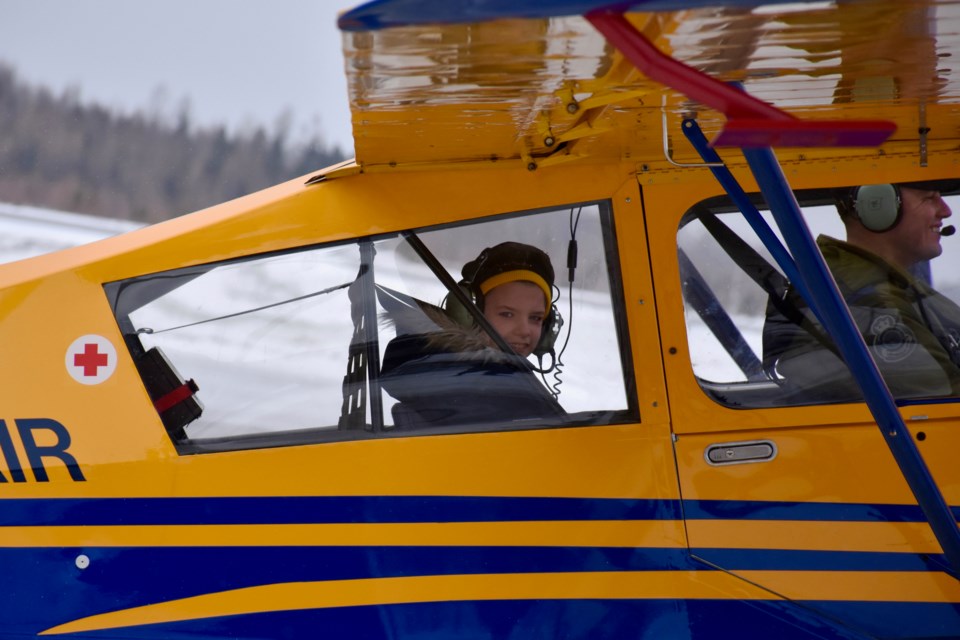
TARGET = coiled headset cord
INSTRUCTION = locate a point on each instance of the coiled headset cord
(557, 366)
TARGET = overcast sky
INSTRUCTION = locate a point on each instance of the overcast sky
(236, 62)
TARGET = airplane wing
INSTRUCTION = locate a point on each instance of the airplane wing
(536, 82)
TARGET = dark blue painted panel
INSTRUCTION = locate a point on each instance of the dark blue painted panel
(383, 509)
(121, 578)
(43, 587)
(325, 509)
(515, 620)
(916, 620)
(794, 560)
(813, 511)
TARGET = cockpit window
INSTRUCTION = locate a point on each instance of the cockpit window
(469, 327)
(756, 343)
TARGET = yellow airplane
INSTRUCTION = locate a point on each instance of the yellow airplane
(300, 415)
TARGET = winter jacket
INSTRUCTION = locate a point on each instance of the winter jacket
(444, 374)
(912, 332)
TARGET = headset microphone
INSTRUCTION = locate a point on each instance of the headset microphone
(948, 230)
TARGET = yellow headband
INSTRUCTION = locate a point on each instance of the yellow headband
(513, 276)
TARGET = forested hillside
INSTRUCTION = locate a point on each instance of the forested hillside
(59, 153)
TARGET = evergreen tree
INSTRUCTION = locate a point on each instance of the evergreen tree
(58, 153)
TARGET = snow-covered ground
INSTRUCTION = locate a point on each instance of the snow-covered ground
(31, 231)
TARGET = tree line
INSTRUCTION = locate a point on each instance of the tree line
(58, 153)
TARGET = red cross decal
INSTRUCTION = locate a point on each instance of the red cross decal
(91, 359)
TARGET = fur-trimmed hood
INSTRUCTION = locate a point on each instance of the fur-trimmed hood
(443, 374)
(441, 334)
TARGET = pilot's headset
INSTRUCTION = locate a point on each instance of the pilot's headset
(879, 207)
(508, 262)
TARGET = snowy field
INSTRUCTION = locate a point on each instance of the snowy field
(31, 231)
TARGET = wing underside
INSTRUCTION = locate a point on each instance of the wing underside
(546, 90)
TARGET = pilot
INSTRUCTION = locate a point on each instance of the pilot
(446, 370)
(912, 331)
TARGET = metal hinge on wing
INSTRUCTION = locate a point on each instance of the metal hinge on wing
(586, 125)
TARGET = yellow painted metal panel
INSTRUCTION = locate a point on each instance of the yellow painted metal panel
(818, 464)
(135, 457)
(640, 304)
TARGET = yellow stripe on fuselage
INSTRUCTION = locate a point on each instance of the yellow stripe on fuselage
(385, 591)
(895, 537)
(858, 586)
(599, 533)
(903, 537)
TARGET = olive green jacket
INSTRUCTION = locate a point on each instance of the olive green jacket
(911, 330)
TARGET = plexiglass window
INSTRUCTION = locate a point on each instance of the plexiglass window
(754, 342)
(428, 331)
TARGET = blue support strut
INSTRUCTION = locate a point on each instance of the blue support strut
(839, 323)
(694, 134)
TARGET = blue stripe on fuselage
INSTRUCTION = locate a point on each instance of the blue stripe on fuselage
(408, 509)
(324, 510)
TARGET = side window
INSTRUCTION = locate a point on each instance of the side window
(259, 338)
(724, 307)
(386, 335)
(755, 342)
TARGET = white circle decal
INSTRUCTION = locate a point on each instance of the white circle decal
(91, 359)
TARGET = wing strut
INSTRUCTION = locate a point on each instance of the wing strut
(815, 283)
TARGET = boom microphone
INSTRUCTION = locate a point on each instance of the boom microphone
(948, 230)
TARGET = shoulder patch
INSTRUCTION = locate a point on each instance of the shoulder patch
(890, 339)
